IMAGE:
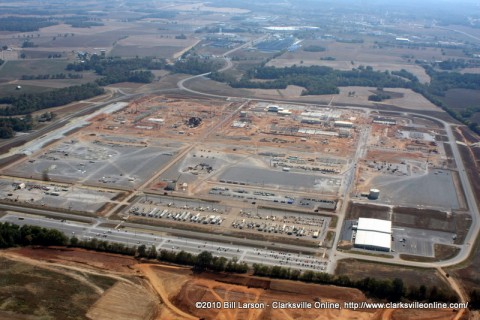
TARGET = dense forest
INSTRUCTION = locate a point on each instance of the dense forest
(27, 103)
(195, 65)
(8, 126)
(315, 79)
(12, 235)
(115, 70)
(28, 24)
(25, 24)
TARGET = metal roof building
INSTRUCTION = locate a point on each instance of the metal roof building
(374, 234)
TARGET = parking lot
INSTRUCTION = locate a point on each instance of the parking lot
(190, 211)
(97, 162)
(419, 242)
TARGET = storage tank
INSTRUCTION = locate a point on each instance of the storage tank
(374, 194)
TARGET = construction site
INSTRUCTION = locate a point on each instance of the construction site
(272, 172)
(411, 162)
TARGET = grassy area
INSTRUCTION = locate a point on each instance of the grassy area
(11, 89)
(333, 222)
(329, 236)
(45, 294)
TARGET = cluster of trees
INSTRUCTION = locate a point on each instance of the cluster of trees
(201, 262)
(25, 24)
(52, 76)
(12, 235)
(315, 79)
(118, 75)
(405, 74)
(8, 126)
(378, 97)
(28, 44)
(195, 65)
(83, 22)
(470, 111)
(392, 290)
(442, 81)
(115, 70)
(27, 103)
(314, 48)
(452, 64)
(181, 37)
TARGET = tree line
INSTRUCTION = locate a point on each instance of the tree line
(28, 24)
(52, 76)
(315, 79)
(25, 24)
(195, 65)
(201, 262)
(83, 22)
(115, 70)
(8, 126)
(12, 235)
(314, 48)
(391, 290)
(27, 103)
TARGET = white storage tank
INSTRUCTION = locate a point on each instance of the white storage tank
(374, 194)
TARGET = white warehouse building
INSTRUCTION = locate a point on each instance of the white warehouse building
(374, 234)
(343, 124)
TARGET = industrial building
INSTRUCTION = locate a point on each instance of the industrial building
(274, 108)
(343, 124)
(385, 121)
(311, 120)
(373, 234)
